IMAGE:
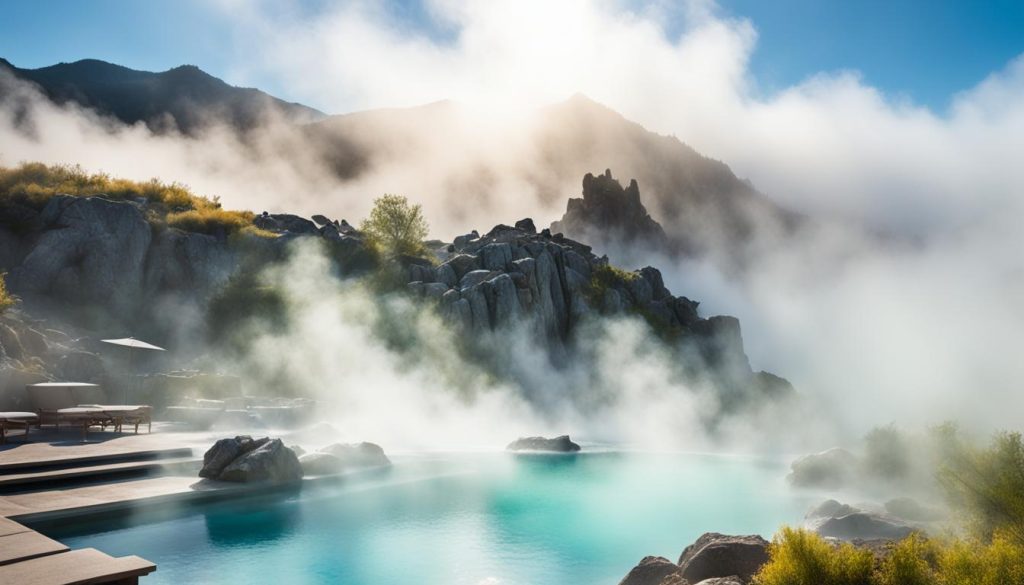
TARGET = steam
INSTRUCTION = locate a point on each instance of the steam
(917, 325)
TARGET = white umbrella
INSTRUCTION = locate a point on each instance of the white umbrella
(132, 344)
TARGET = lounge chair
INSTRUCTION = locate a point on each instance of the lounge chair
(16, 420)
(133, 414)
(77, 405)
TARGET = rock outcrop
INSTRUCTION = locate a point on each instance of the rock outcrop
(716, 555)
(714, 559)
(612, 215)
(100, 256)
(244, 459)
(515, 277)
(562, 444)
(650, 571)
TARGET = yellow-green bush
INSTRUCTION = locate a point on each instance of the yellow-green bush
(908, 563)
(986, 486)
(33, 184)
(800, 557)
(396, 227)
(7, 300)
(999, 563)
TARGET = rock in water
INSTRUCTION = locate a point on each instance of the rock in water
(864, 526)
(357, 454)
(716, 555)
(271, 461)
(321, 464)
(223, 452)
(829, 469)
(560, 444)
(650, 571)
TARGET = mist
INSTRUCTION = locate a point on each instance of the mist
(899, 303)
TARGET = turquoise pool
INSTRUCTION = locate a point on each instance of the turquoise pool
(467, 519)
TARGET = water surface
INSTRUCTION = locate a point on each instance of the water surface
(466, 519)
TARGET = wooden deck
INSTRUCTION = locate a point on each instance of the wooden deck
(49, 471)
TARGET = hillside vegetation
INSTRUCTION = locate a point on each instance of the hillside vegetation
(171, 204)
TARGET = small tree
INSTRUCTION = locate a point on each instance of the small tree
(7, 300)
(395, 226)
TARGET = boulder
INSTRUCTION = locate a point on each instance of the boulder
(358, 454)
(526, 225)
(321, 464)
(716, 555)
(830, 509)
(271, 461)
(560, 444)
(864, 526)
(460, 264)
(286, 222)
(650, 571)
(829, 469)
(224, 452)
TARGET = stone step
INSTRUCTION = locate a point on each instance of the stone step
(22, 466)
(27, 480)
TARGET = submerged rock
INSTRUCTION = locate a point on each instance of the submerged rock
(650, 571)
(560, 444)
(716, 555)
(357, 454)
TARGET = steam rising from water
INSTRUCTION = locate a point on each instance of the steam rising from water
(920, 326)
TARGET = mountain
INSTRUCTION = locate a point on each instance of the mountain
(700, 203)
(438, 151)
(184, 98)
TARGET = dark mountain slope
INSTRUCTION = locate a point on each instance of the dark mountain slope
(184, 98)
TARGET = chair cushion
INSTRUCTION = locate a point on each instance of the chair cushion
(18, 416)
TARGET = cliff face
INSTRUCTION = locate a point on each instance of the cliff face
(92, 256)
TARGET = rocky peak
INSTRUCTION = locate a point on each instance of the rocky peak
(610, 214)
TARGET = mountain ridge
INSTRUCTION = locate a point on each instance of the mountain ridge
(183, 98)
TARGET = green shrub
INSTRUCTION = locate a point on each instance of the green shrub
(605, 277)
(909, 563)
(800, 557)
(396, 227)
(7, 300)
(986, 486)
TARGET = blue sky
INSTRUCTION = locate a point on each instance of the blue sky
(922, 50)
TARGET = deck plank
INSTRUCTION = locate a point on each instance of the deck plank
(86, 566)
(8, 527)
(19, 479)
(27, 545)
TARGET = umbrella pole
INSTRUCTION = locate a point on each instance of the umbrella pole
(130, 370)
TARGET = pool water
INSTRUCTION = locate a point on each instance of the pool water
(466, 519)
